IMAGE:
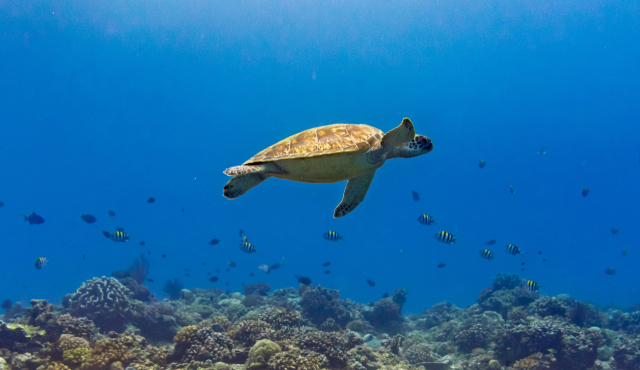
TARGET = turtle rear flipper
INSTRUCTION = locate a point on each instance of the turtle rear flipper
(354, 193)
(246, 177)
(401, 134)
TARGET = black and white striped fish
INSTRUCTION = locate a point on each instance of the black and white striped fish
(532, 285)
(248, 247)
(485, 253)
(513, 249)
(119, 236)
(40, 263)
(425, 219)
(332, 236)
(445, 237)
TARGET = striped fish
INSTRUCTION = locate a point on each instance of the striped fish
(610, 271)
(425, 219)
(532, 285)
(513, 249)
(119, 236)
(248, 247)
(485, 253)
(332, 236)
(40, 262)
(445, 237)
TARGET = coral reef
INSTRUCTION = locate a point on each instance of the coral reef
(259, 289)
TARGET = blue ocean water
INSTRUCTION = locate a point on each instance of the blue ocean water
(107, 103)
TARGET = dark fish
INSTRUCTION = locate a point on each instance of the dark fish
(303, 280)
(252, 274)
(120, 274)
(247, 247)
(512, 189)
(151, 200)
(332, 236)
(120, 229)
(482, 163)
(585, 191)
(164, 255)
(150, 280)
(624, 251)
(204, 263)
(385, 295)
(445, 237)
(88, 219)
(521, 263)
(425, 219)
(40, 262)
(142, 243)
(532, 285)
(275, 266)
(539, 252)
(2, 205)
(187, 274)
(34, 219)
(106, 234)
(148, 252)
(227, 269)
(187, 269)
(610, 271)
(227, 283)
(614, 230)
(521, 269)
(218, 271)
(231, 264)
(490, 242)
(6, 304)
(182, 209)
(415, 195)
(111, 213)
(119, 236)
(371, 282)
(213, 279)
(544, 260)
(327, 272)
(214, 242)
(485, 253)
(84, 257)
(441, 265)
(513, 249)
(326, 264)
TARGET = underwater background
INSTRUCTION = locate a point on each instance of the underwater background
(107, 103)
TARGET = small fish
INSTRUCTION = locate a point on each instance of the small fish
(227, 283)
(512, 189)
(490, 242)
(265, 269)
(539, 252)
(441, 265)
(214, 242)
(585, 191)
(425, 219)
(111, 213)
(482, 163)
(213, 279)
(34, 219)
(231, 264)
(521, 263)
(610, 271)
(252, 274)
(164, 255)
(624, 251)
(542, 152)
(614, 230)
(227, 269)
(88, 219)
(6, 304)
(119, 236)
(327, 272)
(303, 280)
(551, 350)
(106, 234)
(187, 274)
(513, 249)
(150, 280)
(400, 250)
(84, 257)
(487, 254)
(544, 260)
(445, 237)
(415, 195)
(217, 270)
(371, 282)
(275, 266)
(326, 264)
(385, 295)
(2, 205)
(521, 269)
(332, 236)
(119, 229)
(182, 209)
(248, 247)
(151, 200)
(40, 262)
(532, 285)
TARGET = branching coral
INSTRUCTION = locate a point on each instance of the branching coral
(105, 301)
(249, 332)
(334, 345)
(201, 343)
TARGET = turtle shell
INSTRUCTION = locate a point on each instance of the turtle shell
(331, 139)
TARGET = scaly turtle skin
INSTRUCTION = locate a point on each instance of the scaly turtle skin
(327, 154)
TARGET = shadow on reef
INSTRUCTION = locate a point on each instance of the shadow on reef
(111, 324)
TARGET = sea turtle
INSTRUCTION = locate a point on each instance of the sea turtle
(330, 153)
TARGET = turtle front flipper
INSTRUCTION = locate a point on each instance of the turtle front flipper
(401, 134)
(354, 193)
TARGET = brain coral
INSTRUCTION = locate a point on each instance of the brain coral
(105, 301)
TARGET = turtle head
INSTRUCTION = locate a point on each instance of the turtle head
(419, 145)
